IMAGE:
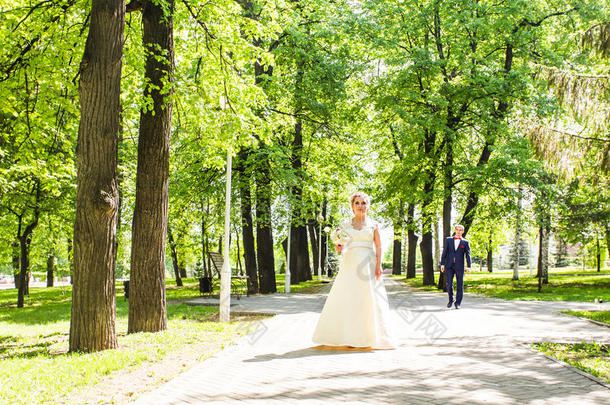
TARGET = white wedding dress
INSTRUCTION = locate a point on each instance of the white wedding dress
(356, 312)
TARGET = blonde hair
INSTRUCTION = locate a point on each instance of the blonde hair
(362, 195)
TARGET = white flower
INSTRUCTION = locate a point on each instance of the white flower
(339, 236)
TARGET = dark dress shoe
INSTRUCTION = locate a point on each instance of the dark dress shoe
(449, 304)
(457, 306)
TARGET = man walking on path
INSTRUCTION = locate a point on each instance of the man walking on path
(455, 250)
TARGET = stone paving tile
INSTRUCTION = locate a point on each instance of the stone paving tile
(475, 355)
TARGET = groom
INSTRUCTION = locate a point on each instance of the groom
(453, 259)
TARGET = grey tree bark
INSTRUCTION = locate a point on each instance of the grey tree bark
(175, 262)
(147, 302)
(243, 184)
(50, 269)
(412, 241)
(92, 324)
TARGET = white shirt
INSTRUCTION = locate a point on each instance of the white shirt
(456, 243)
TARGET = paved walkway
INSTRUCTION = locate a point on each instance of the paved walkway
(475, 355)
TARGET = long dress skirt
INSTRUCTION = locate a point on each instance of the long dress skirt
(356, 312)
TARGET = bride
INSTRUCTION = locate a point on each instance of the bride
(356, 312)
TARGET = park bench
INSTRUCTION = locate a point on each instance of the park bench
(239, 282)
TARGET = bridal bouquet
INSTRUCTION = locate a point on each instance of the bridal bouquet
(339, 236)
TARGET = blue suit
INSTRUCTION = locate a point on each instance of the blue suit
(453, 260)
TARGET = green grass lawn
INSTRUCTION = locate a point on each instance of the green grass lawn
(35, 366)
(592, 358)
(305, 287)
(34, 340)
(564, 285)
(599, 316)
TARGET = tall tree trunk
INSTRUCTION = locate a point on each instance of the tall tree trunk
(598, 254)
(92, 324)
(264, 234)
(204, 273)
(205, 264)
(426, 245)
(448, 190)
(16, 258)
(447, 205)
(263, 256)
(323, 234)
(299, 251)
(313, 228)
(175, 262)
(412, 241)
(608, 238)
(24, 244)
(490, 254)
(147, 302)
(403, 256)
(543, 256)
(240, 269)
(517, 246)
(397, 245)
(397, 248)
(50, 268)
(426, 251)
(243, 185)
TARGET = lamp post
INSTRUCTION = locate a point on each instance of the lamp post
(320, 219)
(225, 276)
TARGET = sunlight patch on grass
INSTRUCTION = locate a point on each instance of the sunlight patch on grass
(599, 316)
(34, 361)
(593, 358)
(563, 286)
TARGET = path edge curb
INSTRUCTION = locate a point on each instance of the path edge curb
(606, 325)
(569, 366)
